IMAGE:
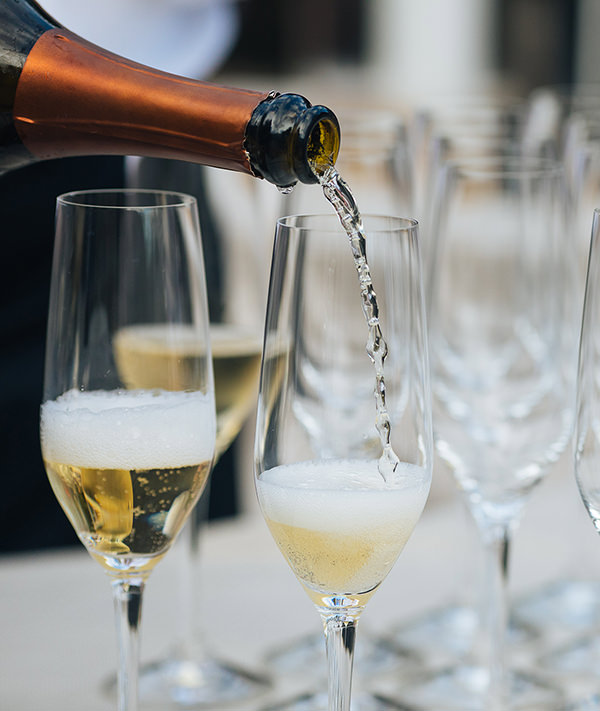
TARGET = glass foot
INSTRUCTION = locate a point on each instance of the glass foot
(464, 689)
(588, 703)
(202, 684)
(306, 657)
(446, 634)
(581, 657)
(576, 664)
(563, 609)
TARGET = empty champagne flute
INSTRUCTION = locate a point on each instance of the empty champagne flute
(570, 606)
(341, 515)
(126, 462)
(499, 307)
(586, 441)
(467, 133)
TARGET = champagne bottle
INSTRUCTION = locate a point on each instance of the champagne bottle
(63, 96)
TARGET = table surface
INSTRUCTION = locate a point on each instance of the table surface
(57, 639)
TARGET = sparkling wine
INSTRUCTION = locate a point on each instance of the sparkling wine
(168, 357)
(236, 364)
(127, 467)
(339, 525)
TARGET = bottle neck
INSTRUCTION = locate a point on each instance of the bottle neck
(101, 103)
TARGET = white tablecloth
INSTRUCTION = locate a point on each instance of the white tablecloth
(57, 639)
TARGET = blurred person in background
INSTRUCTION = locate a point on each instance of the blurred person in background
(187, 37)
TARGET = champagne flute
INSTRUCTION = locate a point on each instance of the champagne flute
(570, 606)
(460, 133)
(190, 673)
(342, 517)
(575, 611)
(578, 659)
(126, 463)
(375, 161)
(499, 300)
(586, 438)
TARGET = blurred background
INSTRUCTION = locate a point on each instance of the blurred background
(404, 50)
(392, 54)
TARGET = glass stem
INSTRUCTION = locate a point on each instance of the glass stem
(127, 597)
(340, 634)
(190, 638)
(496, 614)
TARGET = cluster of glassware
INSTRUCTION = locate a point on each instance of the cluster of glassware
(479, 316)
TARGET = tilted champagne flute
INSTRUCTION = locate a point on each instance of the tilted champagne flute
(341, 518)
(127, 464)
(500, 304)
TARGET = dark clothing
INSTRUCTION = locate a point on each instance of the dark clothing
(30, 516)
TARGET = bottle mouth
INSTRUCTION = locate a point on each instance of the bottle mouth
(317, 144)
(290, 141)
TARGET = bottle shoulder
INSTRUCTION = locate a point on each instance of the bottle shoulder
(21, 23)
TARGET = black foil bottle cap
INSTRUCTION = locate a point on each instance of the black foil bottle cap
(288, 140)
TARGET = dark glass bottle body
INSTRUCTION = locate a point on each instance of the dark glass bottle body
(62, 96)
